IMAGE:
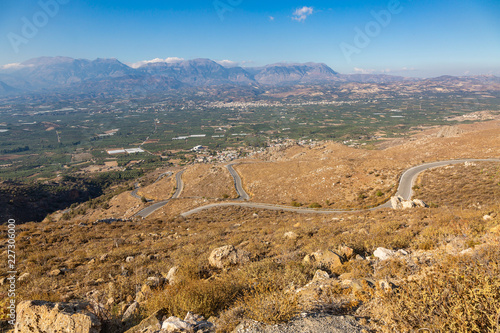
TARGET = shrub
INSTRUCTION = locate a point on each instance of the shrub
(315, 205)
(267, 303)
(461, 295)
(204, 297)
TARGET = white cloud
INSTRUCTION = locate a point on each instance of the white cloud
(170, 60)
(358, 70)
(301, 14)
(228, 63)
(15, 65)
(363, 71)
(271, 18)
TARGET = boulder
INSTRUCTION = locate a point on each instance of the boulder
(47, 317)
(55, 272)
(327, 258)
(227, 256)
(153, 322)
(384, 254)
(191, 323)
(397, 202)
(131, 311)
(290, 235)
(174, 325)
(172, 276)
(408, 204)
(346, 251)
(420, 203)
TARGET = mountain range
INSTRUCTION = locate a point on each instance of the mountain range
(50, 74)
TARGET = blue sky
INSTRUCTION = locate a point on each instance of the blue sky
(421, 37)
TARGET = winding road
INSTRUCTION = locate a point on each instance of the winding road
(151, 209)
(405, 190)
(238, 184)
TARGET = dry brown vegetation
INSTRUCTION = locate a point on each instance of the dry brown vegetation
(263, 289)
(464, 185)
(448, 281)
(161, 190)
(209, 181)
(337, 176)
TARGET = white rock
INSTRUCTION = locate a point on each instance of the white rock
(172, 277)
(174, 325)
(290, 235)
(384, 254)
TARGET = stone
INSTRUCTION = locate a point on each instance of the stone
(397, 202)
(129, 259)
(172, 276)
(384, 254)
(226, 256)
(47, 317)
(420, 203)
(487, 217)
(346, 251)
(154, 282)
(153, 322)
(55, 272)
(328, 258)
(193, 319)
(23, 277)
(320, 275)
(131, 311)
(408, 204)
(290, 235)
(174, 325)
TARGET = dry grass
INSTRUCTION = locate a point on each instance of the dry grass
(461, 294)
(209, 181)
(470, 186)
(263, 289)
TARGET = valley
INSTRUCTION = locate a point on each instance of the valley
(253, 197)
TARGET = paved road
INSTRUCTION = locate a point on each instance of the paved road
(151, 209)
(238, 184)
(406, 183)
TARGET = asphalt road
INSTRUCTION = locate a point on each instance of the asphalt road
(151, 209)
(406, 183)
(238, 184)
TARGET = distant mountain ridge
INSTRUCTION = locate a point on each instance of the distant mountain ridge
(49, 74)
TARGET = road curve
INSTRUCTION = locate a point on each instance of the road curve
(405, 190)
(238, 184)
(151, 209)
